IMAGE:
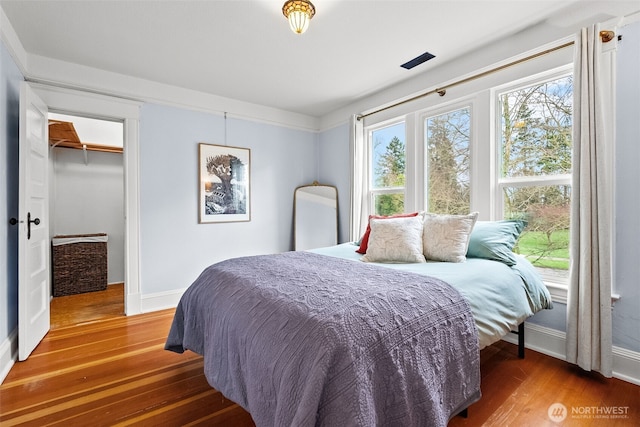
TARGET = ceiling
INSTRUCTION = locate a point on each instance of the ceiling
(244, 49)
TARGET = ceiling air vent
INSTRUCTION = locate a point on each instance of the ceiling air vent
(418, 60)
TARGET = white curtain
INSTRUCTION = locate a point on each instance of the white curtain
(359, 210)
(589, 341)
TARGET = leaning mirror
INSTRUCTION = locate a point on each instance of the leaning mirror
(315, 216)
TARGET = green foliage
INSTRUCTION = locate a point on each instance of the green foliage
(389, 204)
(536, 141)
(390, 169)
(543, 251)
(447, 139)
(536, 129)
(390, 173)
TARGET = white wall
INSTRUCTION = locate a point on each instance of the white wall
(89, 198)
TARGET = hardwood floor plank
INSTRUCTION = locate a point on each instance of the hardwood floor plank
(116, 372)
(23, 399)
(86, 307)
(84, 367)
(519, 392)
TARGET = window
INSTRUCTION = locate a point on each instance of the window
(535, 170)
(388, 164)
(501, 147)
(446, 139)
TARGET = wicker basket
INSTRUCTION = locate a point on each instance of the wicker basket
(79, 263)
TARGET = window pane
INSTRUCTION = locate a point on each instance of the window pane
(545, 241)
(388, 204)
(388, 158)
(447, 139)
(536, 129)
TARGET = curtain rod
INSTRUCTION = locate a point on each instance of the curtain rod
(606, 36)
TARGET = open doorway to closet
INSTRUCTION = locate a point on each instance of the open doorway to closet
(87, 219)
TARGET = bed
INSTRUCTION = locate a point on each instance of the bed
(501, 297)
(321, 338)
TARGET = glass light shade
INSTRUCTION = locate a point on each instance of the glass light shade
(299, 13)
(299, 22)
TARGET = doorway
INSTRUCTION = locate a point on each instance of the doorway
(87, 199)
(126, 111)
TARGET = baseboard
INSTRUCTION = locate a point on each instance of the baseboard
(8, 354)
(160, 300)
(626, 363)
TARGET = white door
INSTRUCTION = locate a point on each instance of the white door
(34, 288)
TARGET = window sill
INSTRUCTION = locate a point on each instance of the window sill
(559, 291)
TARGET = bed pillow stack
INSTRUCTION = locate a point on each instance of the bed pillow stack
(417, 237)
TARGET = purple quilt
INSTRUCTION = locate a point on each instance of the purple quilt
(304, 339)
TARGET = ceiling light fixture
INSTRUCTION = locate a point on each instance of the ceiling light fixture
(299, 13)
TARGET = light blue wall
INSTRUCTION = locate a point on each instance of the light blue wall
(334, 164)
(10, 78)
(626, 313)
(174, 247)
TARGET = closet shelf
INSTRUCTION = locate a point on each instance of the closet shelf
(63, 134)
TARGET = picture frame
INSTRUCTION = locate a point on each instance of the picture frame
(224, 175)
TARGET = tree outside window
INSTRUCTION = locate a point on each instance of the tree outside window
(447, 138)
(535, 169)
(388, 167)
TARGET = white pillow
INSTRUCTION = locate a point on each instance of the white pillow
(395, 240)
(446, 237)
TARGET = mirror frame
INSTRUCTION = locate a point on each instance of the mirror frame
(295, 214)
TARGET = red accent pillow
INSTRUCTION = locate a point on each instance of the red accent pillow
(364, 242)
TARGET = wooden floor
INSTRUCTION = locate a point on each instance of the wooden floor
(87, 307)
(115, 372)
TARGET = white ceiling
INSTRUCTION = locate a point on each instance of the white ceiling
(244, 49)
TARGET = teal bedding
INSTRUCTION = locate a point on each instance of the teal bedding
(501, 296)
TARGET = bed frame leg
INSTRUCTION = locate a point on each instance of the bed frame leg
(521, 340)
(520, 334)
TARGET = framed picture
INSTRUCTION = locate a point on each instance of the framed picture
(224, 183)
